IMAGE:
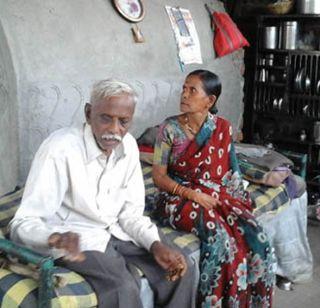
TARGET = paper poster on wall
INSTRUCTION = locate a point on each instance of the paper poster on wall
(185, 34)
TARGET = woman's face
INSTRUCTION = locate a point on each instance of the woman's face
(193, 97)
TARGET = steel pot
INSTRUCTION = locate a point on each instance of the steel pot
(308, 6)
(270, 37)
(289, 33)
(316, 132)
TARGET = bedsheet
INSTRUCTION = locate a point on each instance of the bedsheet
(287, 231)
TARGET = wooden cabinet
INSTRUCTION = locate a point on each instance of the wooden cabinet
(282, 86)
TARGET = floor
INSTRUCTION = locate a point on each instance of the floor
(304, 295)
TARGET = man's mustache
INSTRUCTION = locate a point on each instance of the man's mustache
(114, 137)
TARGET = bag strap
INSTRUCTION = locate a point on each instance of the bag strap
(209, 10)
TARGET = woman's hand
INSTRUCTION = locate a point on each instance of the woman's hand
(205, 200)
(69, 242)
(170, 260)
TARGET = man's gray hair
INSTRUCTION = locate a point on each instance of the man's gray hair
(111, 87)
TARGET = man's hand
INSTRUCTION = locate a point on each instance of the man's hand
(170, 260)
(69, 242)
(205, 200)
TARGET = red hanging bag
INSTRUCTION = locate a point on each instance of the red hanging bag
(227, 36)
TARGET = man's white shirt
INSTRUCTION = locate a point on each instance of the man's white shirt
(72, 186)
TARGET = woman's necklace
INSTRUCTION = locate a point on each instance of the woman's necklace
(188, 127)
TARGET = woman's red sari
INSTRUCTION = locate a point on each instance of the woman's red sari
(237, 262)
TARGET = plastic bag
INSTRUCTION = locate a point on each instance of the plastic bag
(228, 37)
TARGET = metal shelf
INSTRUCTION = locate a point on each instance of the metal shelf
(271, 84)
(314, 184)
(294, 141)
(290, 51)
(305, 95)
(288, 16)
(266, 121)
(272, 51)
(274, 67)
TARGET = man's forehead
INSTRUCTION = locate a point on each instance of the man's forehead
(120, 103)
(121, 100)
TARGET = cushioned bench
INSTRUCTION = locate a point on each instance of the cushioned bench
(273, 208)
(18, 289)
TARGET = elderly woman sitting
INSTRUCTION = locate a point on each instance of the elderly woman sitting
(196, 169)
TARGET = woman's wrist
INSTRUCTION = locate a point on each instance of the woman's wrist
(175, 188)
(188, 193)
(191, 194)
(184, 192)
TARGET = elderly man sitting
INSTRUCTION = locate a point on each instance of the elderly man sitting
(83, 203)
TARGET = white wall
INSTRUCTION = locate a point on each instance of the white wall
(9, 153)
(59, 47)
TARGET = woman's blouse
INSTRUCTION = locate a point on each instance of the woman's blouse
(171, 142)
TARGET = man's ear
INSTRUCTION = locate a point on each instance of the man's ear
(87, 112)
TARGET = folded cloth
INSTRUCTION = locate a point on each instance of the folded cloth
(250, 153)
(148, 137)
(266, 199)
(261, 165)
(256, 174)
(277, 176)
(295, 185)
(253, 152)
(146, 153)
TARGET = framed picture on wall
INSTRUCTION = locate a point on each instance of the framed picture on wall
(132, 10)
